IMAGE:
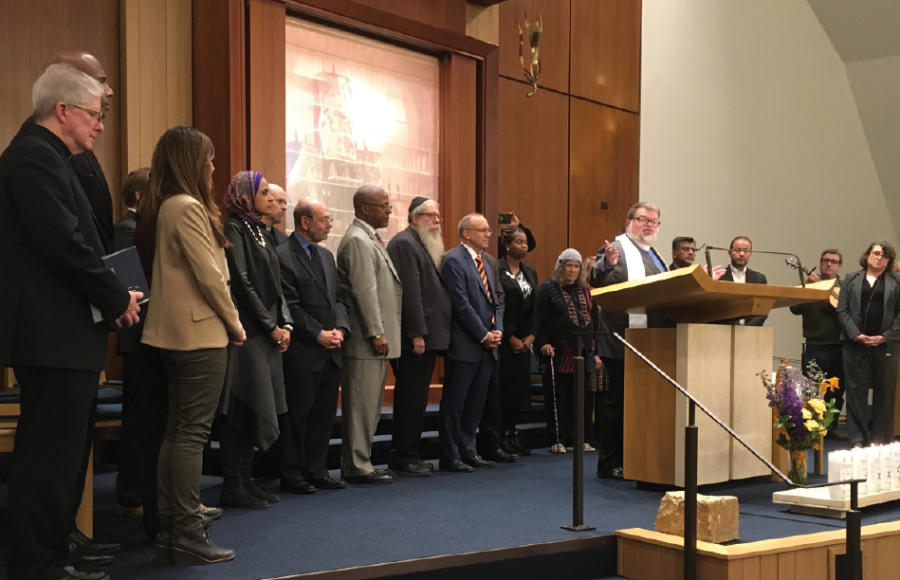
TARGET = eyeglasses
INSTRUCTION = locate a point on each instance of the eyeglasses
(644, 221)
(385, 206)
(828, 261)
(482, 230)
(435, 216)
(97, 114)
(878, 255)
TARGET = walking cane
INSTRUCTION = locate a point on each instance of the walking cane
(555, 414)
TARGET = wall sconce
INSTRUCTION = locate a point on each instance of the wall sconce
(533, 70)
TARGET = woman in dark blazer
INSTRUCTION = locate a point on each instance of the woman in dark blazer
(520, 285)
(254, 384)
(565, 313)
(869, 312)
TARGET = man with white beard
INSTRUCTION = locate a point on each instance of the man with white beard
(425, 330)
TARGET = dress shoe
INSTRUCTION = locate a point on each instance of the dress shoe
(86, 573)
(411, 470)
(130, 512)
(384, 472)
(612, 473)
(260, 494)
(500, 456)
(328, 483)
(427, 464)
(378, 476)
(80, 555)
(455, 465)
(198, 548)
(477, 461)
(303, 487)
(213, 513)
(239, 497)
(93, 546)
(558, 448)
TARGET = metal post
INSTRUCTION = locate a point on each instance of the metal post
(853, 558)
(578, 459)
(690, 496)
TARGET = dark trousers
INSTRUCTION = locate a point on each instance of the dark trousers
(830, 358)
(306, 427)
(490, 428)
(611, 406)
(78, 492)
(129, 478)
(49, 450)
(560, 412)
(413, 373)
(870, 367)
(462, 402)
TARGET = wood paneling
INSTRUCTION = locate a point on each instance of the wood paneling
(534, 168)
(603, 167)
(32, 31)
(459, 164)
(446, 14)
(483, 22)
(606, 51)
(266, 121)
(554, 43)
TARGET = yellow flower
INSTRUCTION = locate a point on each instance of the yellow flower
(807, 415)
(818, 405)
(829, 385)
(811, 426)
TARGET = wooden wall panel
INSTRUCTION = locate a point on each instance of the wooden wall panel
(483, 22)
(446, 14)
(606, 52)
(459, 167)
(266, 121)
(554, 41)
(29, 33)
(534, 168)
(603, 167)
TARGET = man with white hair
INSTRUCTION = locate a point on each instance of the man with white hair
(50, 248)
(425, 330)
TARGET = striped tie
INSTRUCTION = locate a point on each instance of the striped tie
(484, 280)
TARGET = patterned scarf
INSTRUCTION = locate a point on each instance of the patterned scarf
(240, 200)
(582, 304)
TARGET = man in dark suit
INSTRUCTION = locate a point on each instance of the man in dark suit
(49, 282)
(475, 333)
(630, 257)
(425, 330)
(740, 250)
(132, 187)
(279, 197)
(684, 250)
(312, 363)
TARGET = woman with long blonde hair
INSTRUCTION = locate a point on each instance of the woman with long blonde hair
(191, 320)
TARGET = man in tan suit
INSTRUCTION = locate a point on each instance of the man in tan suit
(370, 287)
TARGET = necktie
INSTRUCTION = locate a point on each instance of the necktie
(484, 280)
(380, 241)
(316, 261)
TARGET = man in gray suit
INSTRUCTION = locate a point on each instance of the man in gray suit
(630, 256)
(370, 287)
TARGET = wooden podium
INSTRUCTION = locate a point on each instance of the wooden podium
(716, 362)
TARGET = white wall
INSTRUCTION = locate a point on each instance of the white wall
(749, 127)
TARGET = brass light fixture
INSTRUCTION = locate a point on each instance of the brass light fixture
(534, 29)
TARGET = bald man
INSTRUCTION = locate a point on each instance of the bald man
(279, 208)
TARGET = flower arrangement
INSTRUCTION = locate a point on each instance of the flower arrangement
(801, 414)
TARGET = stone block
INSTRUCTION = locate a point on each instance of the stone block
(717, 517)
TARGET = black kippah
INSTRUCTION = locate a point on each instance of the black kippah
(416, 202)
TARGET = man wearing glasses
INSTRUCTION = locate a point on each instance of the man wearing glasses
(740, 250)
(630, 256)
(822, 329)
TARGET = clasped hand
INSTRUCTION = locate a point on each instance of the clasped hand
(331, 339)
(282, 338)
(870, 340)
(492, 340)
(132, 314)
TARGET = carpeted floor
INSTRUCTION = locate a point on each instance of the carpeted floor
(509, 505)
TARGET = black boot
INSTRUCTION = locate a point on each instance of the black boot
(197, 548)
(233, 492)
(163, 543)
(247, 477)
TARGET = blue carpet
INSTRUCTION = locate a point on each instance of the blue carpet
(510, 505)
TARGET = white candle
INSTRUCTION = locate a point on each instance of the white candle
(886, 468)
(895, 466)
(840, 467)
(861, 470)
(873, 470)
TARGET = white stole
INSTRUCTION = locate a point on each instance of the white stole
(634, 260)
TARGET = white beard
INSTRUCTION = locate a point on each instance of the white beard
(433, 241)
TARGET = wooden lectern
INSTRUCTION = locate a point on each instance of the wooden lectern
(718, 363)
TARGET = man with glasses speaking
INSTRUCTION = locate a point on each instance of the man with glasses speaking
(630, 256)
(740, 250)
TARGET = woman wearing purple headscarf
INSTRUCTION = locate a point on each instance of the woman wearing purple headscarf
(254, 384)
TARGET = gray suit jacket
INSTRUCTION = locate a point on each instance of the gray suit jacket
(608, 346)
(851, 310)
(370, 287)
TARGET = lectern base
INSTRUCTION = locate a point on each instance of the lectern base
(581, 528)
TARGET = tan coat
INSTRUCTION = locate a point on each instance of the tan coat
(191, 306)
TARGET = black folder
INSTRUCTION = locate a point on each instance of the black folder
(127, 266)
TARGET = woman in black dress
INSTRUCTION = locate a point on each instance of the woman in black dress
(254, 384)
(519, 281)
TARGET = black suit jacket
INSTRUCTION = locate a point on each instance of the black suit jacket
(124, 231)
(851, 310)
(276, 236)
(313, 304)
(425, 309)
(517, 321)
(50, 266)
(752, 277)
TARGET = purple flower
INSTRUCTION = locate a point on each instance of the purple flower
(792, 405)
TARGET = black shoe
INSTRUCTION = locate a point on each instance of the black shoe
(197, 548)
(162, 543)
(384, 471)
(411, 470)
(613, 473)
(377, 476)
(455, 465)
(260, 494)
(86, 573)
(477, 461)
(328, 483)
(427, 465)
(93, 546)
(303, 487)
(79, 555)
(500, 456)
(240, 498)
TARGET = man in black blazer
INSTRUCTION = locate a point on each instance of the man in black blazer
(275, 235)
(49, 282)
(425, 330)
(740, 250)
(312, 363)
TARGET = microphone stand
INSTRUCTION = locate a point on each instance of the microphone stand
(795, 256)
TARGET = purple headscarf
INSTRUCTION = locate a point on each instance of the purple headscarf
(240, 200)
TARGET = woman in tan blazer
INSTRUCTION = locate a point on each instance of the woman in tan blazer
(191, 319)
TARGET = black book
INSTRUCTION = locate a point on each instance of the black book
(126, 265)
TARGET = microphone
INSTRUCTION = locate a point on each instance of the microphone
(799, 264)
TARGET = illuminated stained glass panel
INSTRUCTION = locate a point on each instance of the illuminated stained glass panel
(358, 112)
